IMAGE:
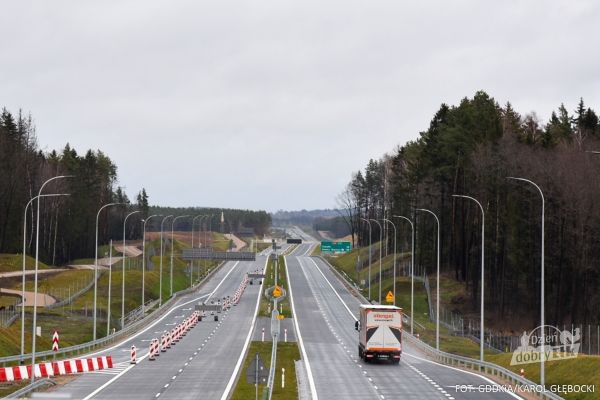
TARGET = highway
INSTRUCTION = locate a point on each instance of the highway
(325, 313)
(203, 364)
(206, 362)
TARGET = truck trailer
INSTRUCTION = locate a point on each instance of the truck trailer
(380, 333)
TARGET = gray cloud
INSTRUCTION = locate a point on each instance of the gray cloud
(272, 104)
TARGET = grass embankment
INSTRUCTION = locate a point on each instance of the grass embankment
(287, 353)
(74, 322)
(583, 370)
(14, 262)
(270, 282)
(260, 246)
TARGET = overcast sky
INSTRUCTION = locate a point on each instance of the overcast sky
(273, 104)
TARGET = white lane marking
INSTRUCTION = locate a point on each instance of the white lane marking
(220, 283)
(333, 289)
(246, 344)
(311, 381)
(460, 370)
(408, 354)
(145, 330)
(110, 382)
(175, 307)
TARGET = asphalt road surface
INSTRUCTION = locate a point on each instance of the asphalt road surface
(325, 313)
(203, 364)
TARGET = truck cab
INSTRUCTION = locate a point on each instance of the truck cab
(380, 333)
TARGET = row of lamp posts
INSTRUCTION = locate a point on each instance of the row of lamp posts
(437, 323)
(35, 286)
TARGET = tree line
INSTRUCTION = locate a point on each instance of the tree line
(470, 149)
(67, 223)
(234, 220)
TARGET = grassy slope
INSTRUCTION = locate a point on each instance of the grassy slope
(14, 262)
(74, 326)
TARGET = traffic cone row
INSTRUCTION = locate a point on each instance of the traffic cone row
(240, 291)
(170, 338)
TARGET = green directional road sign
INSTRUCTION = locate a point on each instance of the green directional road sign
(335, 247)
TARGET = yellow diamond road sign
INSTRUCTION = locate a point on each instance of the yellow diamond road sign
(390, 297)
(280, 316)
(277, 292)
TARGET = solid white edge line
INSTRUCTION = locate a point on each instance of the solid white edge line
(175, 307)
(222, 280)
(238, 365)
(311, 381)
(411, 355)
(332, 288)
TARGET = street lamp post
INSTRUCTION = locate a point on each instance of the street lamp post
(437, 305)
(96, 266)
(368, 222)
(172, 251)
(192, 260)
(123, 272)
(144, 262)
(23, 276)
(394, 286)
(412, 273)
(109, 287)
(542, 316)
(35, 284)
(160, 277)
(380, 247)
(201, 226)
(481, 333)
(207, 229)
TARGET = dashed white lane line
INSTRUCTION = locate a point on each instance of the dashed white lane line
(431, 381)
(333, 331)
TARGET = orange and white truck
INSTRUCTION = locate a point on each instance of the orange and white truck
(380, 333)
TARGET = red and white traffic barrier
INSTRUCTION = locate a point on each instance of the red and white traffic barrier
(163, 343)
(153, 352)
(49, 369)
(133, 355)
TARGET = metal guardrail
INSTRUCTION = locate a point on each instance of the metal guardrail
(207, 254)
(487, 368)
(115, 337)
(484, 367)
(30, 388)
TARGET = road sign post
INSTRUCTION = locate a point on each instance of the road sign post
(389, 297)
(335, 247)
(257, 373)
(55, 341)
